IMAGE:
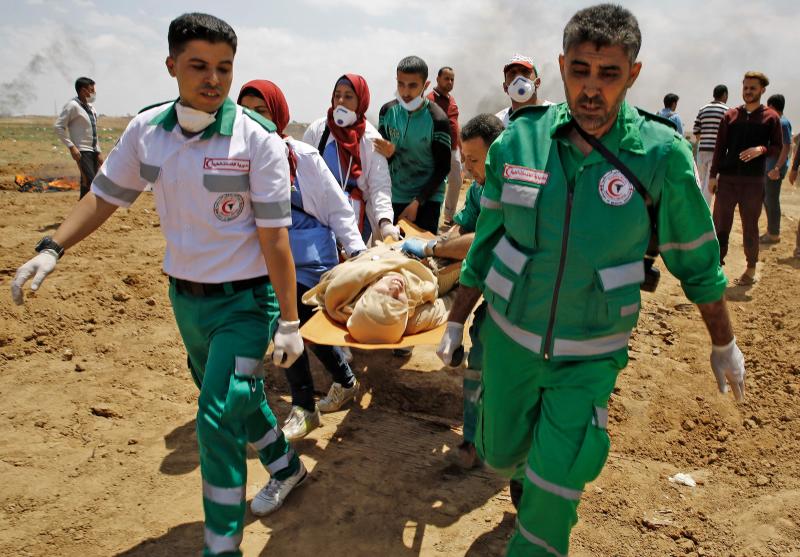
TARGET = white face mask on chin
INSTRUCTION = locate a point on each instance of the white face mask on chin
(91, 98)
(412, 105)
(193, 120)
(521, 89)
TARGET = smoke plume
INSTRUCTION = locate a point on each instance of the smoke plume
(64, 56)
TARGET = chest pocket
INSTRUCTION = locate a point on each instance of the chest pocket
(229, 194)
(614, 305)
(519, 204)
(226, 183)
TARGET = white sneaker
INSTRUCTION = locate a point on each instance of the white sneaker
(337, 397)
(301, 422)
(272, 495)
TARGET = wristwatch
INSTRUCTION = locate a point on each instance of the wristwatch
(48, 243)
(430, 246)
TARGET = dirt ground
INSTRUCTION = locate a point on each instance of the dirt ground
(98, 453)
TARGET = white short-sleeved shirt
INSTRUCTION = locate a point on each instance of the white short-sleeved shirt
(211, 190)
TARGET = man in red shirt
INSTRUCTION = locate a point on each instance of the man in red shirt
(738, 170)
(445, 80)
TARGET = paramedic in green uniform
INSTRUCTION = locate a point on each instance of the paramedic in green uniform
(558, 256)
(476, 137)
(220, 180)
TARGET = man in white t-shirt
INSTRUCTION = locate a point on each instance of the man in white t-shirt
(220, 178)
(521, 83)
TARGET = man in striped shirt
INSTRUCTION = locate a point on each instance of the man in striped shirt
(706, 126)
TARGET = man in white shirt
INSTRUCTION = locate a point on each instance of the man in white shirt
(76, 127)
(706, 126)
(521, 83)
(220, 178)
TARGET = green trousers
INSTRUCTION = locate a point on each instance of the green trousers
(543, 423)
(226, 338)
(472, 376)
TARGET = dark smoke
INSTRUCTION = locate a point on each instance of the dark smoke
(65, 56)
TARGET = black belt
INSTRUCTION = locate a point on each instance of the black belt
(201, 289)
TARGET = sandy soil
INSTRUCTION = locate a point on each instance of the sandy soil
(98, 452)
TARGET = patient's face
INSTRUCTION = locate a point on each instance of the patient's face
(392, 284)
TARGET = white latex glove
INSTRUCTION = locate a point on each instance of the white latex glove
(38, 267)
(388, 230)
(288, 344)
(728, 365)
(452, 339)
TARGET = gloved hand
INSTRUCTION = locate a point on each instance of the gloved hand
(452, 339)
(288, 344)
(388, 230)
(728, 364)
(415, 246)
(40, 266)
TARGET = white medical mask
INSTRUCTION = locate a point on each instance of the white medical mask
(412, 105)
(91, 98)
(193, 120)
(344, 116)
(521, 89)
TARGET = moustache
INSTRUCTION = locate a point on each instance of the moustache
(591, 102)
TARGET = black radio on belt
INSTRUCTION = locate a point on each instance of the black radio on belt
(651, 273)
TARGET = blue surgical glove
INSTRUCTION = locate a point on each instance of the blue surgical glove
(414, 246)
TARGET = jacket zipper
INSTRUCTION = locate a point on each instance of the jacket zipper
(559, 277)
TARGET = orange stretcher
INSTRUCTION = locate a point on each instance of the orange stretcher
(321, 329)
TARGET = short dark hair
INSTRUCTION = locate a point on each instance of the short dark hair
(82, 82)
(413, 64)
(444, 69)
(777, 101)
(720, 91)
(604, 25)
(193, 26)
(670, 99)
(486, 126)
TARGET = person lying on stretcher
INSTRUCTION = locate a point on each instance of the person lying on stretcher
(383, 294)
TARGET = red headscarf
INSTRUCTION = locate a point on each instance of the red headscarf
(277, 106)
(348, 138)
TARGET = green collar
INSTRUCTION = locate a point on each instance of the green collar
(624, 134)
(223, 125)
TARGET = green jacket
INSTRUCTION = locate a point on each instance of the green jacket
(467, 217)
(560, 238)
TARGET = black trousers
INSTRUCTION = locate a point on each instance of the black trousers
(301, 384)
(88, 166)
(427, 214)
